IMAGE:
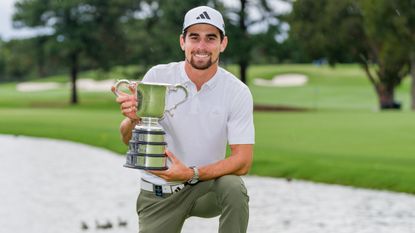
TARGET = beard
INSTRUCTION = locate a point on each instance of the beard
(202, 65)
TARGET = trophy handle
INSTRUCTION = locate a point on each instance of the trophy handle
(175, 88)
(123, 81)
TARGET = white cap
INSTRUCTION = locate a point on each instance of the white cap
(204, 14)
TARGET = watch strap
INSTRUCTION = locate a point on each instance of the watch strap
(195, 177)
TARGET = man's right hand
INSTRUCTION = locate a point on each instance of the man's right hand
(128, 103)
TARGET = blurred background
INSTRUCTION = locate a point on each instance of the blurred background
(332, 81)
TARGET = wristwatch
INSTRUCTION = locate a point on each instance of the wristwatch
(195, 177)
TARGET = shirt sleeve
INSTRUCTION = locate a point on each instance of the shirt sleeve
(240, 120)
(150, 76)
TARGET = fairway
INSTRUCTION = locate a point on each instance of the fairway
(341, 137)
(364, 149)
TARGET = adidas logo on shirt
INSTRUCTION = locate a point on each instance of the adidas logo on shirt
(204, 15)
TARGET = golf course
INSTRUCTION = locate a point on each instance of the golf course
(328, 130)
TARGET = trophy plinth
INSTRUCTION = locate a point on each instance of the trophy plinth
(146, 149)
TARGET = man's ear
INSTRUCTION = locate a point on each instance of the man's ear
(182, 42)
(223, 44)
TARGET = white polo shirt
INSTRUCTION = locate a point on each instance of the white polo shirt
(220, 113)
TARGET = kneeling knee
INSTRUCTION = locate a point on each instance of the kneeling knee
(231, 188)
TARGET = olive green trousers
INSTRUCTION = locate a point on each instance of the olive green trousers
(226, 196)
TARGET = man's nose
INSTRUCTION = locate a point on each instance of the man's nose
(202, 44)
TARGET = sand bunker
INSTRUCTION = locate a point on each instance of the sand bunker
(34, 86)
(284, 80)
(82, 84)
(52, 186)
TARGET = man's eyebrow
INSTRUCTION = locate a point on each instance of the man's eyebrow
(209, 35)
(212, 35)
(193, 34)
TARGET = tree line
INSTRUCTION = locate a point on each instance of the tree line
(92, 34)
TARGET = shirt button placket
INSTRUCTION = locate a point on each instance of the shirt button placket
(194, 104)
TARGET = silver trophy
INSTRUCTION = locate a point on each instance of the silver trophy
(146, 148)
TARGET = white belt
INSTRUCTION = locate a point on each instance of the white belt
(166, 188)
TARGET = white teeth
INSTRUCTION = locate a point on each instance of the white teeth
(201, 55)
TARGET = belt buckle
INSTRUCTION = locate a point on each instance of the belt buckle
(159, 190)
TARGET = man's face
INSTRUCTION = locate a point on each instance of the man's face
(202, 46)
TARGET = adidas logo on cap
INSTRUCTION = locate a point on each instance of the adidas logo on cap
(204, 14)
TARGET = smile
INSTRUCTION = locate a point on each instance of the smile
(201, 55)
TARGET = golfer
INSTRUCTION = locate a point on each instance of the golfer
(201, 180)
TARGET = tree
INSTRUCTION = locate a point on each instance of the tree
(18, 62)
(2, 61)
(357, 28)
(403, 21)
(80, 27)
(239, 21)
(385, 49)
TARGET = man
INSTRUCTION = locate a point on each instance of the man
(218, 112)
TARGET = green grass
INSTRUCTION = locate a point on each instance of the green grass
(361, 149)
(94, 127)
(343, 88)
(343, 139)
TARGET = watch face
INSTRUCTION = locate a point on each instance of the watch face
(192, 181)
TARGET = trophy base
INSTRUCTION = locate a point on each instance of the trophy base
(146, 161)
(146, 149)
(145, 168)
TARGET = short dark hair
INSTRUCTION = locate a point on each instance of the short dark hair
(221, 35)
